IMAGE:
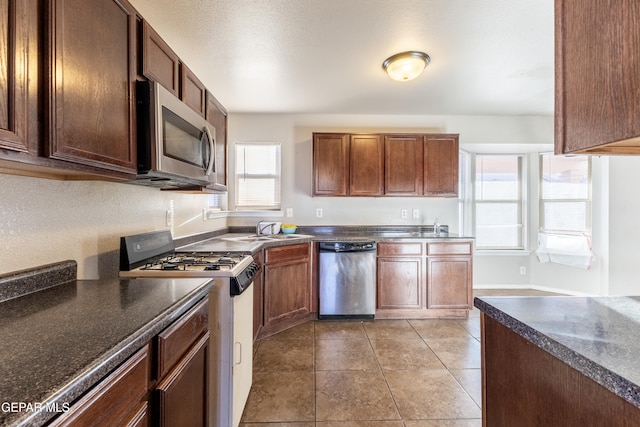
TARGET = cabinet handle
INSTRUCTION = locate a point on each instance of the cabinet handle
(238, 353)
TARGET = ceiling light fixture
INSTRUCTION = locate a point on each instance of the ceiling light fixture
(406, 66)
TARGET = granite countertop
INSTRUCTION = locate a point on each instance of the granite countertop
(59, 341)
(597, 336)
(223, 242)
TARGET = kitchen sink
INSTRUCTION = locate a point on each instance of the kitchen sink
(287, 236)
(265, 237)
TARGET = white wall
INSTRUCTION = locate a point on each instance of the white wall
(44, 221)
(624, 225)
(486, 134)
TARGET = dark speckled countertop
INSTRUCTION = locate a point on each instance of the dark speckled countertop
(224, 242)
(597, 336)
(59, 341)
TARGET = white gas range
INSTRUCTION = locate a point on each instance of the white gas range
(231, 310)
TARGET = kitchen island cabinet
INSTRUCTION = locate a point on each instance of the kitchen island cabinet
(597, 87)
(560, 361)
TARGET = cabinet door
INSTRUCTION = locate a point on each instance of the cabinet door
(286, 291)
(597, 88)
(159, 63)
(183, 394)
(118, 399)
(330, 164)
(449, 282)
(400, 283)
(441, 165)
(366, 165)
(403, 165)
(14, 45)
(192, 91)
(92, 76)
(217, 116)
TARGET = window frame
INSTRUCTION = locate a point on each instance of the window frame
(588, 201)
(238, 175)
(522, 204)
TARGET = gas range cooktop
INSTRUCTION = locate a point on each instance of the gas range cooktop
(193, 264)
(153, 255)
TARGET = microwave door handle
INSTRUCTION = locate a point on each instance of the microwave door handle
(212, 151)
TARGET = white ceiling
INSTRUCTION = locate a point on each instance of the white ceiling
(488, 57)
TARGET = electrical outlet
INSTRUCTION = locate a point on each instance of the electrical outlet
(319, 213)
(289, 212)
(415, 213)
(403, 214)
(523, 270)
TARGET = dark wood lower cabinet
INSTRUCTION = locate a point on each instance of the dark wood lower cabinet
(399, 283)
(183, 394)
(422, 279)
(524, 386)
(286, 287)
(166, 383)
(119, 399)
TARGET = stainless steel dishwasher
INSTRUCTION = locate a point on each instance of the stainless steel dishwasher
(347, 280)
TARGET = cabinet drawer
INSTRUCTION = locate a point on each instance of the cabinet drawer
(174, 341)
(449, 248)
(400, 249)
(116, 399)
(284, 253)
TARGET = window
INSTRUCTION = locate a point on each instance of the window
(257, 178)
(565, 193)
(499, 201)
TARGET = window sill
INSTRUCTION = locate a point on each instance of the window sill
(506, 252)
(256, 214)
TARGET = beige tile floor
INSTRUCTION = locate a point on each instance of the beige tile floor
(380, 373)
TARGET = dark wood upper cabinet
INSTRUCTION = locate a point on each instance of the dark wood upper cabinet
(91, 82)
(385, 165)
(597, 90)
(192, 91)
(366, 165)
(14, 58)
(441, 165)
(403, 165)
(330, 164)
(159, 62)
(217, 116)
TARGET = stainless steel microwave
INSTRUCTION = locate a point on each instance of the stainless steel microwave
(176, 146)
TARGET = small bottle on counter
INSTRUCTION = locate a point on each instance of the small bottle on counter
(436, 227)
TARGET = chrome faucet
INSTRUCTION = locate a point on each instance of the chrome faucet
(260, 228)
